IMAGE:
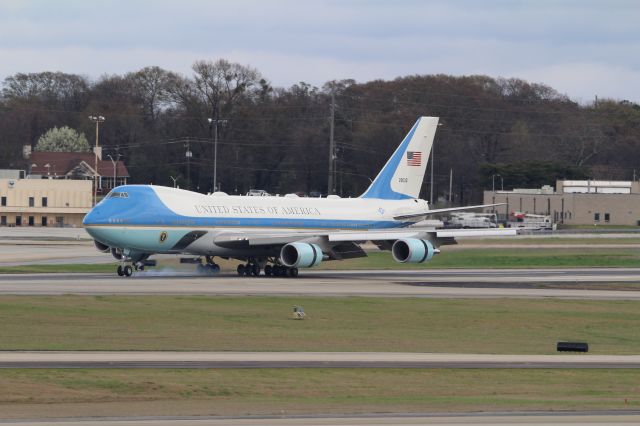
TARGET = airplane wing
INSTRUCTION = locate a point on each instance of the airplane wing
(450, 209)
(242, 240)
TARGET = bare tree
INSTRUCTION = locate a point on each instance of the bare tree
(221, 83)
(153, 88)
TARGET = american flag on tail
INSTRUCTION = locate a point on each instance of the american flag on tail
(414, 158)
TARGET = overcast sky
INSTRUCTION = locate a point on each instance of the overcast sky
(581, 48)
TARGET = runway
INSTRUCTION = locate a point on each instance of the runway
(170, 359)
(433, 283)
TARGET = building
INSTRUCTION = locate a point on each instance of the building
(585, 202)
(76, 165)
(44, 202)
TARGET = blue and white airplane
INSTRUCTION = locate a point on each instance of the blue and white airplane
(278, 235)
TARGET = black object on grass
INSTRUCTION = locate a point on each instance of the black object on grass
(573, 347)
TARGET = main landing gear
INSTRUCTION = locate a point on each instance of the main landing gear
(280, 271)
(208, 268)
(252, 268)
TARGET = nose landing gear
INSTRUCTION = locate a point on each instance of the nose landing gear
(125, 270)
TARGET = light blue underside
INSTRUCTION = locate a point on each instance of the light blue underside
(147, 240)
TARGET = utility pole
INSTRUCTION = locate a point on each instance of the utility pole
(188, 154)
(214, 122)
(332, 149)
(96, 119)
(450, 184)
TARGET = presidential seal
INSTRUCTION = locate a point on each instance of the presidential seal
(163, 237)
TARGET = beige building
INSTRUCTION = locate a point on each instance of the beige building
(44, 202)
(574, 202)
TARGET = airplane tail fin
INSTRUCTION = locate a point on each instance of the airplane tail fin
(401, 178)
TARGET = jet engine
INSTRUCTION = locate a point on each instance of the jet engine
(101, 247)
(301, 255)
(116, 253)
(413, 250)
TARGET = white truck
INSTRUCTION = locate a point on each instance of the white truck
(472, 220)
(257, 193)
(529, 221)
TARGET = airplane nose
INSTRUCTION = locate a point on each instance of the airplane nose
(92, 217)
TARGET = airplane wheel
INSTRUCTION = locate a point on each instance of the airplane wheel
(200, 269)
(215, 268)
(120, 271)
(293, 272)
(280, 271)
(247, 269)
(128, 270)
(255, 270)
(268, 271)
(240, 269)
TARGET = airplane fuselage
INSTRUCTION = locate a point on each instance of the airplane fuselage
(157, 219)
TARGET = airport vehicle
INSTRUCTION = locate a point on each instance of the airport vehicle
(472, 220)
(530, 221)
(257, 193)
(278, 235)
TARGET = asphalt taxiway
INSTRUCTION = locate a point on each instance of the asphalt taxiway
(449, 283)
(172, 359)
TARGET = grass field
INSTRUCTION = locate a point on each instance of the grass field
(501, 258)
(509, 326)
(50, 393)
(579, 240)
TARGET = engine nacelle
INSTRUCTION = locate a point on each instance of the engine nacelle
(412, 250)
(101, 247)
(301, 255)
(116, 253)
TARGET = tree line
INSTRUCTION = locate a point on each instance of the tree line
(277, 139)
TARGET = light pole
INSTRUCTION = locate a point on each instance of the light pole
(115, 172)
(493, 182)
(213, 122)
(96, 119)
(175, 181)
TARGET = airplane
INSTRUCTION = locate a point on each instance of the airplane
(278, 235)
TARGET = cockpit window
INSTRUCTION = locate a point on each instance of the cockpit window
(114, 194)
